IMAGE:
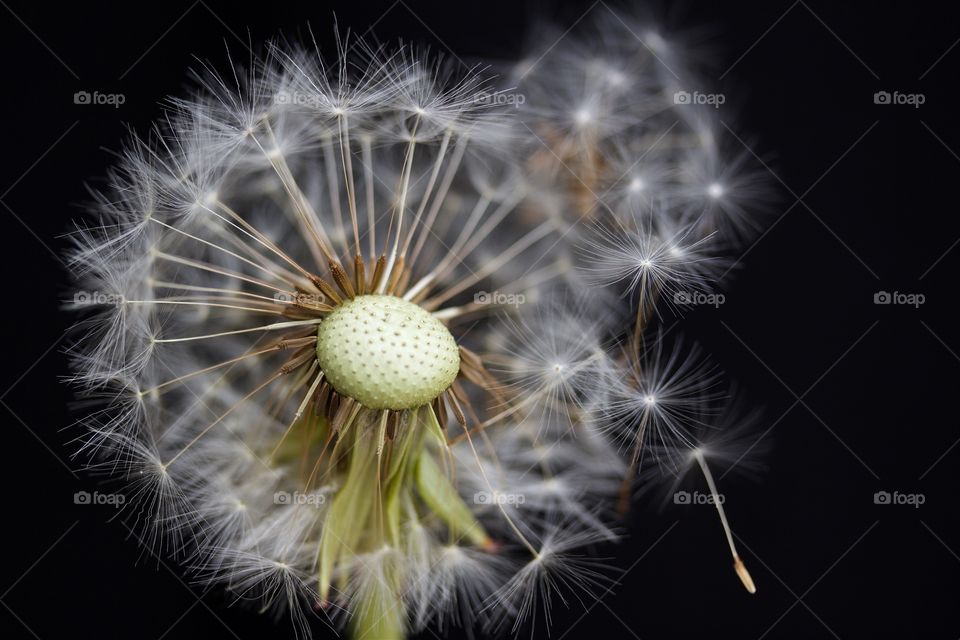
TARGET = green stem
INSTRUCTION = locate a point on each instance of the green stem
(380, 618)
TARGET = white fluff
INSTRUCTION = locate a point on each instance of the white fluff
(592, 198)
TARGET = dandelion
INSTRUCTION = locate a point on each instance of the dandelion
(657, 403)
(303, 375)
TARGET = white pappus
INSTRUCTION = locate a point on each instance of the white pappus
(371, 348)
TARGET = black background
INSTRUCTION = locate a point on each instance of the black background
(858, 398)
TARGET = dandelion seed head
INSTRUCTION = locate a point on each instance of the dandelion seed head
(358, 336)
(387, 353)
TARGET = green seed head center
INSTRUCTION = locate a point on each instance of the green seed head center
(386, 353)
